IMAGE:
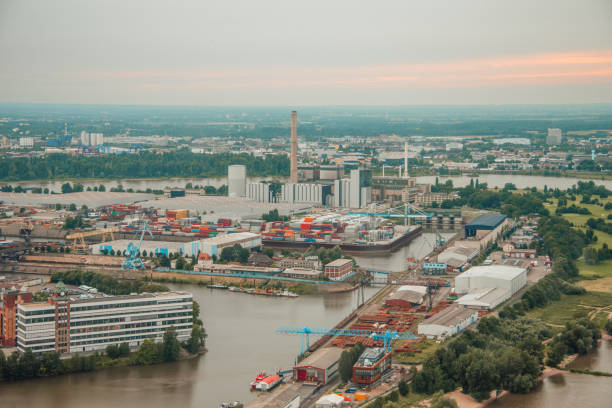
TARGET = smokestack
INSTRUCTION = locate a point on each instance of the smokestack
(405, 159)
(294, 173)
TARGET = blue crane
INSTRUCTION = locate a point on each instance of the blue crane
(132, 256)
(386, 336)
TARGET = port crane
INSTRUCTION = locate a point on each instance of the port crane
(132, 256)
(386, 336)
(405, 211)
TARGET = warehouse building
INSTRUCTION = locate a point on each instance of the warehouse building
(407, 296)
(72, 325)
(211, 246)
(448, 322)
(458, 253)
(371, 365)
(486, 222)
(319, 367)
(485, 287)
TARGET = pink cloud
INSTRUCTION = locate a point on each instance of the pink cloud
(549, 68)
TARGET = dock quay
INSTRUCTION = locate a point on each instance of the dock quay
(349, 248)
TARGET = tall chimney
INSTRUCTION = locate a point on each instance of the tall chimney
(294, 172)
(405, 159)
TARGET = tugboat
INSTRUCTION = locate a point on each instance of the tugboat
(234, 404)
(257, 380)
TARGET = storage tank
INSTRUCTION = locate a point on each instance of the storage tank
(236, 180)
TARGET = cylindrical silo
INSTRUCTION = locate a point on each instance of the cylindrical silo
(236, 180)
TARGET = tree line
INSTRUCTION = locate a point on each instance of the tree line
(106, 283)
(177, 163)
(20, 366)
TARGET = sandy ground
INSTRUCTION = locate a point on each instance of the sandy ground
(466, 401)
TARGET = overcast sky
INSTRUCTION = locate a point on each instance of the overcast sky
(309, 52)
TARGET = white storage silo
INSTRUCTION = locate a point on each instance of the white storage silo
(236, 180)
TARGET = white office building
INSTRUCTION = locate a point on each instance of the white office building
(554, 136)
(26, 142)
(72, 325)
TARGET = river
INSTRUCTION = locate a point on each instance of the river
(570, 390)
(493, 180)
(242, 342)
(396, 261)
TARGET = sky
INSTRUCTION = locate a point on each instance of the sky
(285, 52)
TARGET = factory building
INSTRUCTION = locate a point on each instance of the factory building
(211, 246)
(371, 365)
(261, 192)
(236, 181)
(71, 325)
(354, 192)
(448, 322)
(486, 222)
(316, 194)
(485, 287)
(318, 368)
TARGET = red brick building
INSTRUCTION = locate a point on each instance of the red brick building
(338, 269)
(8, 315)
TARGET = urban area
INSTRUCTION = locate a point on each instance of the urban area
(462, 270)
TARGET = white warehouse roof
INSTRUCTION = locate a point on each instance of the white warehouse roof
(493, 271)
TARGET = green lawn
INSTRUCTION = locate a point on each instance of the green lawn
(602, 270)
(569, 307)
(428, 347)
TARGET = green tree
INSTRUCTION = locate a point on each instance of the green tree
(170, 345)
(440, 401)
(124, 350)
(403, 388)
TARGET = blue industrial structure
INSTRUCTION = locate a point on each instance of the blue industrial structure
(132, 260)
(488, 221)
(386, 336)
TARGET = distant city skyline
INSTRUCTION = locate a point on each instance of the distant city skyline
(273, 53)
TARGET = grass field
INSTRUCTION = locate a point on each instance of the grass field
(598, 285)
(428, 347)
(571, 307)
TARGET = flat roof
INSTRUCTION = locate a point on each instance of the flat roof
(449, 316)
(486, 221)
(483, 297)
(223, 206)
(339, 262)
(370, 356)
(495, 271)
(322, 358)
(91, 199)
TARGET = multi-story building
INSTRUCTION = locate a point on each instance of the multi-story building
(69, 325)
(26, 142)
(371, 365)
(338, 269)
(8, 315)
(309, 262)
(554, 136)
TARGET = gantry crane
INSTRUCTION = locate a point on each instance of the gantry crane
(80, 236)
(386, 336)
(132, 253)
(405, 211)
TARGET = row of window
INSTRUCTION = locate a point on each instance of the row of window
(113, 333)
(123, 339)
(128, 304)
